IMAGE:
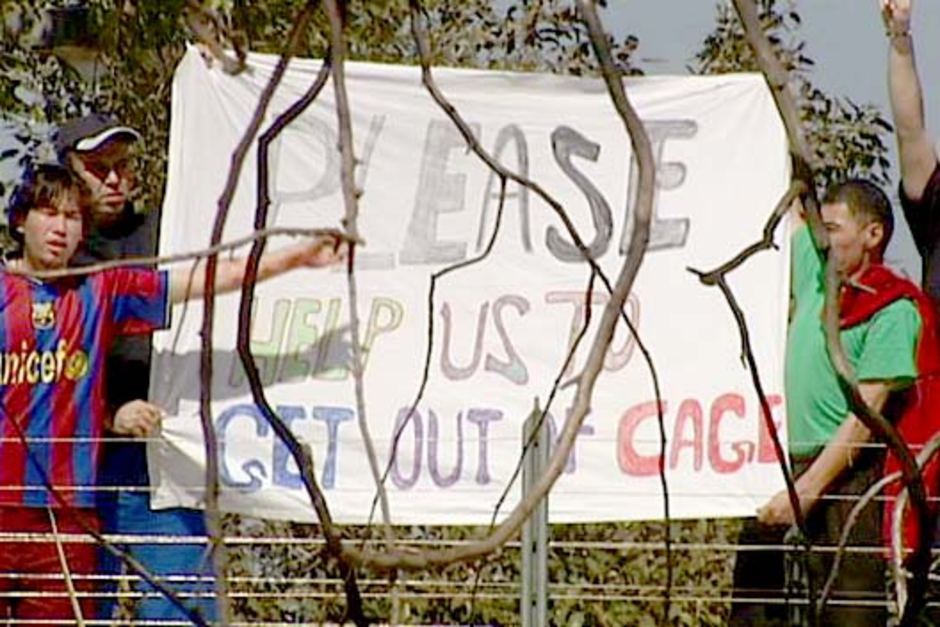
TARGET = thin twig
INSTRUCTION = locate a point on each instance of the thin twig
(123, 262)
(66, 571)
(925, 455)
(79, 517)
(710, 277)
(335, 11)
(718, 277)
(432, 291)
(556, 386)
(897, 524)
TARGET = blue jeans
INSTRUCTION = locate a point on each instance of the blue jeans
(130, 514)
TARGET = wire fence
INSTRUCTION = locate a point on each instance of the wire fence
(608, 572)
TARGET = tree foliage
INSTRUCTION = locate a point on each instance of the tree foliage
(615, 585)
(140, 43)
(847, 138)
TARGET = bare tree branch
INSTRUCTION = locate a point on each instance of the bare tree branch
(80, 519)
(925, 455)
(123, 262)
(866, 498)
(556, 386)
(66, 571)
(718, 277)
(301, 454)
(644, 202)
(432, 290)
(335, 11)
(212, 514)
(424, 53)
(209, 29)
(898, 555)
(796, 189)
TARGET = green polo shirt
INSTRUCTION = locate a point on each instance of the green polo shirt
(881, 348)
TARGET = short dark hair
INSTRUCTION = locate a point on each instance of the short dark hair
(41, 185)
(866, 202)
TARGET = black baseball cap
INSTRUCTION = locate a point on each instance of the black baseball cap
(89, 133)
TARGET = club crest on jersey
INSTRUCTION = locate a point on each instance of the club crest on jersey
(43, 315)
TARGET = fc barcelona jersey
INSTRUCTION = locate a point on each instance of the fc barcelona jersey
(54, 338)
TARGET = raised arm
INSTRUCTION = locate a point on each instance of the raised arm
(918, 158)
(797, 215)
(317, 252)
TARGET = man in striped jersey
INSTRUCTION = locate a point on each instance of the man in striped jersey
(54, 335)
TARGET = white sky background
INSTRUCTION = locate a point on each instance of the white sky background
(844, 37)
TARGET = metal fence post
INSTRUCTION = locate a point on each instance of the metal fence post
(534, 602)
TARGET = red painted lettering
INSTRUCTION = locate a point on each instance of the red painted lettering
(631, 462)
(765, 444)
(744, 450)
(690, 413)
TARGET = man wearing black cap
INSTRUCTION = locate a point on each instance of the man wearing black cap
(100, 151)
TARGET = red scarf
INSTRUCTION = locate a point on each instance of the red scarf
(920, 418)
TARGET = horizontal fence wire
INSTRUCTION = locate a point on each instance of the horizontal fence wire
(285, 582)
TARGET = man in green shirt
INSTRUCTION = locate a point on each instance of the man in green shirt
(830, 448)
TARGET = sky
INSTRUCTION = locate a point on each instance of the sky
(844, 37)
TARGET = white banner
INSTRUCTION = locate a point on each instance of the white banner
(502, 327)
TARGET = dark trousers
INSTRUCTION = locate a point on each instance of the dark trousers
(759, 593)
(765, 593)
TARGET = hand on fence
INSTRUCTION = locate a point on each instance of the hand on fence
(778, 511)
(138, 419)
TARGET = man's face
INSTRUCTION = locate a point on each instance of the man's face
(52, 233)
(854, 243)
(108, 173)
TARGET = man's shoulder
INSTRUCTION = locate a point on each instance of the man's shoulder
(898, 319)
(901, 308)
(877, 290)
(133, 235)
(108, 280)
